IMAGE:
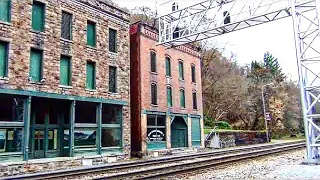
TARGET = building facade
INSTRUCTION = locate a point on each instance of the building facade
(166, 94)
(64, 79)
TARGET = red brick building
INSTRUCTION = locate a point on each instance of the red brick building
(166, 94)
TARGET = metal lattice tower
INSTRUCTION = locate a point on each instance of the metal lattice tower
(212, 18)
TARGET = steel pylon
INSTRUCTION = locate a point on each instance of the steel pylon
(212, 18)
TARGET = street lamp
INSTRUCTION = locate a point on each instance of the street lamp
(264, 109)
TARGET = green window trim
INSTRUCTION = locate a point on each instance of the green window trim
(113, 40)
(65, 71)
(4, 59)
(193, 73)
(38, 16)
(36, 59)
(5, 10)
(91, 34)
(168, 67)
(182, 99)
(153, 61)
(181, 73)
(154, 94)
(169, 96)
(66, 25)
(194, 99)
(195, 132)
(90, 75)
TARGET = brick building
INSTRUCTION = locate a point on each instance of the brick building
(64, 79)
(166, 94)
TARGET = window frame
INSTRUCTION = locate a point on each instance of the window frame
(41, 66)
(89, 22)
(69, 58)
(71, 24)
(193, 73)
(93, 76)
(169, 88)
(42, 29)
(194, 100)
(168, 66)
(155, 62)
(6, 60)
(154, 102)
(181, 70)
(9, 12)
(182, 103)
(115, 79)
(115, 39)
(156, 127)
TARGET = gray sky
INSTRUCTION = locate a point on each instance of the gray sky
(251, 43)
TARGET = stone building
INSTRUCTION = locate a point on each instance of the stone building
(166, 94)
(64, 79)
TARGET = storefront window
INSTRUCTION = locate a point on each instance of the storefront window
(11, 109)
(11, 139)
(111, 137)
(156, 131)
(85, 138)
(85, 113)
(111, 114)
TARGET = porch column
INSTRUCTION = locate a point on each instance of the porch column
(26, 120)
(143, 133)
(189, 123)
(71, 128)
(168, 131)
(202, 132)
(99, 122)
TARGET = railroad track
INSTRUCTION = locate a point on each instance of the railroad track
(160, 167)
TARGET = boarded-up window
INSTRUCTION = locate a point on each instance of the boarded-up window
(65, 71)
(91, 33)
(182, 99)
(35, 72)
(169, 96)
(181, 73)
(193, 73)
(5, 10)
(112, 79)
(196, 132)
(168, 67)
(154, 95)
(194, 98)
(3, 59)
(153, 61)
(112, 40)
(66, 25)
(38, 16)
(90, 79)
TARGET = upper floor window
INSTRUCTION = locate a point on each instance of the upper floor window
(91, 75)
(113, 40)
(91, 33)
(153, 61)
(194, 98)
(112, 79)
(175, 6)
(182, 99)
(38, 16)
(66, 25)
(65, 71)
(3, 59)
(35, 73)
(154, 95)
(169, 96)
(193, 73)
(181, 73)
(5, 10)
(168, 67)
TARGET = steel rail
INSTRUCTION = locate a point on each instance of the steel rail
(138, 164)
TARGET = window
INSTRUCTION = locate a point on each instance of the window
(112, 79)
(90, 79)
(66, 25)
(175, 6)
(3, 59)
(181, 76)
(195, 132)
(193, 73)
(194, 98)
(182, 99)
(35, 73)
(113, 40)
(156, 131)
(111, 126)
(91, 33)
(168, 67)
(38, 16)
(5, 10)
(153, 59)
(154, 94)
(65, 71)
(169, 96)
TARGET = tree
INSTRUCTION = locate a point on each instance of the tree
(145, 14)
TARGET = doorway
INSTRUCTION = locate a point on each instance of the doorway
(179, 133)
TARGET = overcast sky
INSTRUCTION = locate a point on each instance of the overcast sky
(251, 43)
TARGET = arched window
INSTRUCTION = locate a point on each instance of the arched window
(153, 61)
(181, 76)
(182, 99)
(175, 6)
(193, 73)
(194, 98)
(168, 67)
(154, 94)
(169, 96)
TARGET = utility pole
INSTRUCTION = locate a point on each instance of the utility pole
(264, 109)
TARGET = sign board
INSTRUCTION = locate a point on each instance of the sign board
(268, 116)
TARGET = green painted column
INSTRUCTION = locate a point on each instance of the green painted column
(99, 130)
(71, 128)
(26, 120)
(46, 135)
